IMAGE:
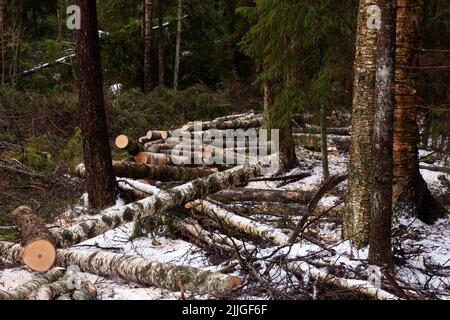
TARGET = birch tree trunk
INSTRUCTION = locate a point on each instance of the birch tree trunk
(380, 251)
(161, 43)
(178, 46)
(155, 205)
(360, 184)
(24, 291)
(101, 183)
(148, 39)
(411, 194)
(137, 269)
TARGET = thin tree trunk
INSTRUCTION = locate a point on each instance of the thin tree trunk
(411, 194)
(2, 40)
(148, 39)
(161, 43)
(360, 184)
(101, 183)
(380, 251)
(323, 140)
(178, 46)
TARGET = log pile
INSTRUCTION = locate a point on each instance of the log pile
(208, 202)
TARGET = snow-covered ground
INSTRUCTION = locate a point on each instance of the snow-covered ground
(422, 251)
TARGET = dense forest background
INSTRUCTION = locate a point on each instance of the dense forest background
(227, 54)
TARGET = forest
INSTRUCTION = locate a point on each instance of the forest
(224, 150)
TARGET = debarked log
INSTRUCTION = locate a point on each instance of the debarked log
(124, 142)
(136, 269)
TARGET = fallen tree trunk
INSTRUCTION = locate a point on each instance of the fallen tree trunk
(435, 168)
(243, 224)
(160, 159)
(155, 205)
(153, 135)
(39, 244)
(25, 290)
(250, 121)
(139, 270)
(243, 194)
(363, 287)
(313, 140)
(344, 131)
(264, 208)
(131, 146)
(127, 169)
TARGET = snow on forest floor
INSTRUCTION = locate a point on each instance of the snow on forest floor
(422, 251)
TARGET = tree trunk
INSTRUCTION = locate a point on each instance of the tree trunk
(127, 169)
(242, 224)
(161, 43)
(324, 144)
(286, 142)
(360, 184)
(250, 121)
(148, 39)
(380, 251)
(39, 244)
(101, 183)
(411, 194)
(24, 291)
(158, 204)
(243, 194)
(2, 40)
(138, 270)
(178, 46)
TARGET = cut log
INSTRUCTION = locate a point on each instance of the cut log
(39, 244)
(158, 135)
(124, 142)
(344, 131)
(24, 291)
(264, 208)
(243, 194)
(155, 205)
(360, 286)
(160, 159)
(245, 225)
(51, 291)
(250, 121)
(127, 169)
(138, 270)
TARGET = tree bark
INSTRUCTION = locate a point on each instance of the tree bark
(250, 121)
(161, 43)
(127, 169)
(243, 194)
(380, 251)
(245, 225)
(101, 183)
(156, 205)
(148, 40)
(24, 291)
(178, 47)
(39, 244)
(139, 270)
(360, 184)
(2, 40)
(411, 194)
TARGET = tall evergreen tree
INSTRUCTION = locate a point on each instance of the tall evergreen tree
(101, 182)
(178, 46)
(2, 40)
(161, 44)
